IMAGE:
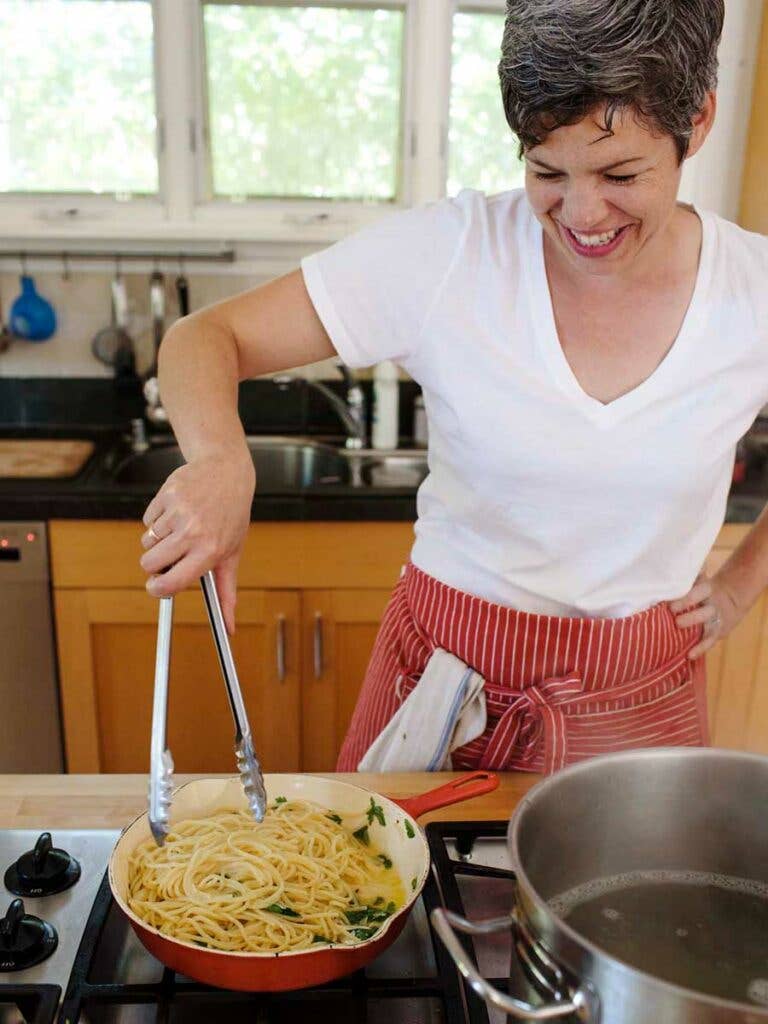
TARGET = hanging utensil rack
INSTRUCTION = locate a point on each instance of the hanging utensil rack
(217, 255)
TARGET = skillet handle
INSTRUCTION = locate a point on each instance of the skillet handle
(463, 788)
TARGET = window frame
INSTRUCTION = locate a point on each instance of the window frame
(298, 208)
(179, 211)
(60, 214)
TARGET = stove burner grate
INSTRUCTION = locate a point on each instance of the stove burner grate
(172, 999)
(37, 1004)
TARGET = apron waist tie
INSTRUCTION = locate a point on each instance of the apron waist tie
(535, 711)
(535, 719)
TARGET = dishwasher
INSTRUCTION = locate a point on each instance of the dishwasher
(30, 718)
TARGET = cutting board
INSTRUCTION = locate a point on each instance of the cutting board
(43, 459)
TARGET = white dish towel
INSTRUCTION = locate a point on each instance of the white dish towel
(445, 710)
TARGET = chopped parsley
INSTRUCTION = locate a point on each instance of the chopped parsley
(413, 883)
(385, 861)
(356, 916)
(318, 938)
(363, 933)
(278, 908)
(281, 800)
(372, 914)
(375, 811)
(409, 829)
(334, 817)
(362, 835)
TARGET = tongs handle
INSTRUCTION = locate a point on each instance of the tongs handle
(162, 665)
(247, 762)
(161, 765)
(224, 651)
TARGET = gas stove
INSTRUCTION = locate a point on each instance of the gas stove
(97, 972)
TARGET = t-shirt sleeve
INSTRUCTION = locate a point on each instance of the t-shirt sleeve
(374, 290)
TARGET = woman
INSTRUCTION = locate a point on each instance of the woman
(590, 352)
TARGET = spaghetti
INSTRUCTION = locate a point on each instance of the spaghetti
(298, 879)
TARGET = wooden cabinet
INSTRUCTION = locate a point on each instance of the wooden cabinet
(737, 669)
(315, 590)
(338, 631)
(320, 590)
(753, 212)
(106, 658)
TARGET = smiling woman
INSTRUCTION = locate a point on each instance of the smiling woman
(590, 352)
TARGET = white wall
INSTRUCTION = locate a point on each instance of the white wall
(83, 307)
(712, 179)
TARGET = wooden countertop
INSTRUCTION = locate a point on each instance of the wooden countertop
(112, 801)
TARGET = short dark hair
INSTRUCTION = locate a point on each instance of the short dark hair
(560, 59)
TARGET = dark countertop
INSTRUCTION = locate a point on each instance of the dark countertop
(91, 408)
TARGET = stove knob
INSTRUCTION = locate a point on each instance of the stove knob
(43, 871)
(25, 940)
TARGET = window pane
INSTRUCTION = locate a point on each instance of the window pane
(482, 149)
(77, 105)
(304, 101)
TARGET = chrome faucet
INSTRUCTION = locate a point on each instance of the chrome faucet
(351, 411)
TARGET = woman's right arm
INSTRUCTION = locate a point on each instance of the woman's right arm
(202, 511)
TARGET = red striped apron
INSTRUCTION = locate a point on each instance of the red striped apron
(558, 690)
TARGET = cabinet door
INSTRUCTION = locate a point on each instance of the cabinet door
(737, 678)
(338, 631)
(107, 641)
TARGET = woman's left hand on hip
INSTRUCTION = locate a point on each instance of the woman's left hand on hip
(708, 603)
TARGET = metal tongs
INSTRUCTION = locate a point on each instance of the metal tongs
(161, 763)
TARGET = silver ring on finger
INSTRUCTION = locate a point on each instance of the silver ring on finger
(153, 535)
(716, 621)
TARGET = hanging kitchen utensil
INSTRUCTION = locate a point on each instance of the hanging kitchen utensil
(157, 312)
(5, 335)
(113, 344)
(182, 293)
(32, 317)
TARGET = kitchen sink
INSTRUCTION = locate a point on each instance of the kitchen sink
(392, 468)
(281, 464)
(286, 464)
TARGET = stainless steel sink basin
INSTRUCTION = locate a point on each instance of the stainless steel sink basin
(288, 464)
(281, 464)
(396, 468)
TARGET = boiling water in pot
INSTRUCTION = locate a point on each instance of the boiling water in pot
(706, 932)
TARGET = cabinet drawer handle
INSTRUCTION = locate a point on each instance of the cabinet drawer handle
(318, 644)
(281, 647)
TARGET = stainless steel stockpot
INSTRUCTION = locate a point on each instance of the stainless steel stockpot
(671, 809)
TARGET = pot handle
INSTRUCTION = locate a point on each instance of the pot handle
(464, 788)
(442, 920)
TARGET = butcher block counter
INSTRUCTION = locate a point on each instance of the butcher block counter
(112, 801)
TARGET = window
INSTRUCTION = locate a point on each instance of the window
(303, 101)
(77, 103)
(482, 151)
(268, 125)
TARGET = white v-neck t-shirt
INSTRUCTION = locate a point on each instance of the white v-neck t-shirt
(540, 497)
